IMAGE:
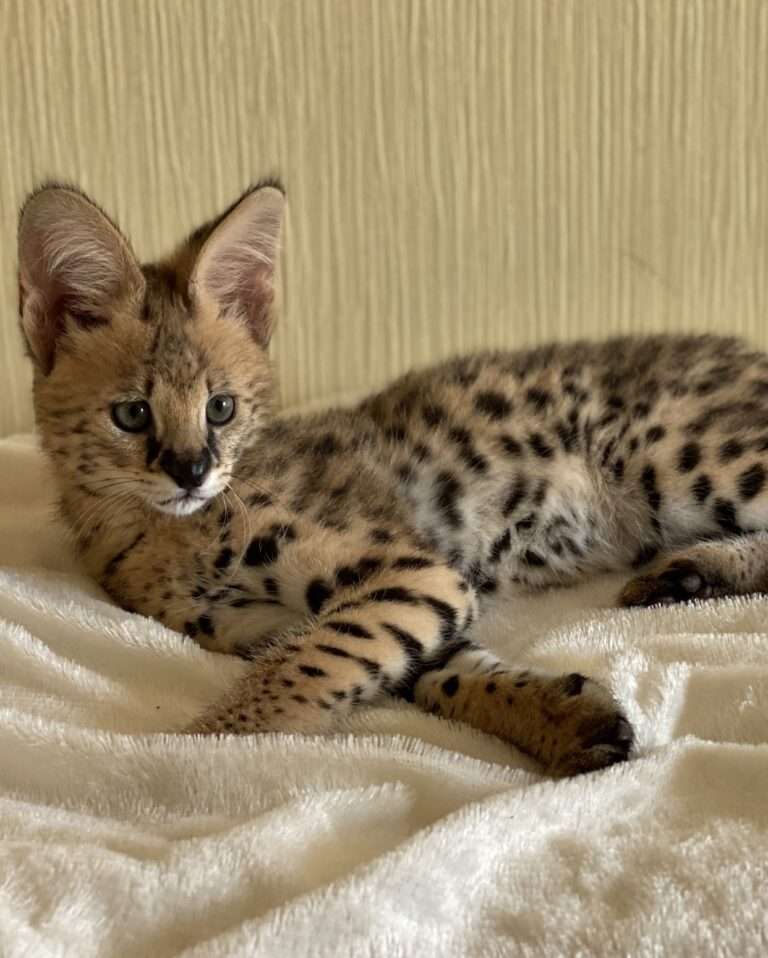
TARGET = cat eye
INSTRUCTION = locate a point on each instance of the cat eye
(131, 416)
(220, 409)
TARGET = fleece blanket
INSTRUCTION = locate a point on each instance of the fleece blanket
(404, 835)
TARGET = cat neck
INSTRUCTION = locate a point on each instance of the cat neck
(103, 526)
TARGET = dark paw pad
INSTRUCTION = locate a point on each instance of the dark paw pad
(616, 732)
(602, 741)
(680, 581)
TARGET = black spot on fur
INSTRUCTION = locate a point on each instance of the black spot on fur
(395, 433)
(511, 446)
(448, 490)
(381, 535)
(725, 516)
(490, 688)
(652, 494)
(326, 445)
(500, 546)
(392, 594)
(493, 404)
(607, 452)
(689, 458)
(349, 628)
(262, 551)
(538, 398)
(540, 494)
(372, 668)
(540, 446)
(223, 559)
(312, 671)
(317, 595)
(531, 558)
(445, 612)
(526, 523)
(470, 456)
(567, 435)
(731, 450)
(751, 481)
(702, 488)
(354, 575)
(412, 562)
(618, 469)
(450, 686)
(515, 496)
(433, 415)
(205, 625)
(654, 434)
(413, 648)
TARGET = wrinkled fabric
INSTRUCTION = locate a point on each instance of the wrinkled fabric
(402, 835)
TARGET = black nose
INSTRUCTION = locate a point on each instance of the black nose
(187, 471)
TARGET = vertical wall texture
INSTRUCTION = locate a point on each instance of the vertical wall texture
(461, 173)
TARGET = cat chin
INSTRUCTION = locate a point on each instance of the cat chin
(183, 506)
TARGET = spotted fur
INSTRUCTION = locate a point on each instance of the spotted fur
(348, 553)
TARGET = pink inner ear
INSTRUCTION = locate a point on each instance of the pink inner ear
(244, 288)
(236, 266)
(41, 327)
(72, 262)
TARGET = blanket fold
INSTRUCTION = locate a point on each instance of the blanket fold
(403, 834)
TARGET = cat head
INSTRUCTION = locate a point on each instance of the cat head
(150, 380)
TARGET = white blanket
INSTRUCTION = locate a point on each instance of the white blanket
(406, 836)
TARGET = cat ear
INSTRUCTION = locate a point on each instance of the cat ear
(235, 269)
(72, 261)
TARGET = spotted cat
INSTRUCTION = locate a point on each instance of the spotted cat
(348, 553)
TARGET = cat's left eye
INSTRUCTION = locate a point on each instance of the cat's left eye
(220, 409)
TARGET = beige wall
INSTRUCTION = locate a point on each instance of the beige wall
(460, 172)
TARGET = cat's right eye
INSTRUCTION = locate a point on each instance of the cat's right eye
(131, 416)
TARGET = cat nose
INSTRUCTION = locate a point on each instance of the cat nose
(188, 472)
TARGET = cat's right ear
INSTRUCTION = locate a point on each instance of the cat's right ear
(73, 262)
(235, 267)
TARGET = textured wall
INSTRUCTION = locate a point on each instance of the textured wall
(460, 172)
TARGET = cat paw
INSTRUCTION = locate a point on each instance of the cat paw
(680, 580)
(593, 731)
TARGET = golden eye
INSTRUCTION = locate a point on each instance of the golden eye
(134, 415)
(220, 409)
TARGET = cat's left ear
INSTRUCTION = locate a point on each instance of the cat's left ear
(235, 269)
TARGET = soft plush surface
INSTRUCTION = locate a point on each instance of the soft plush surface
(405, 836)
